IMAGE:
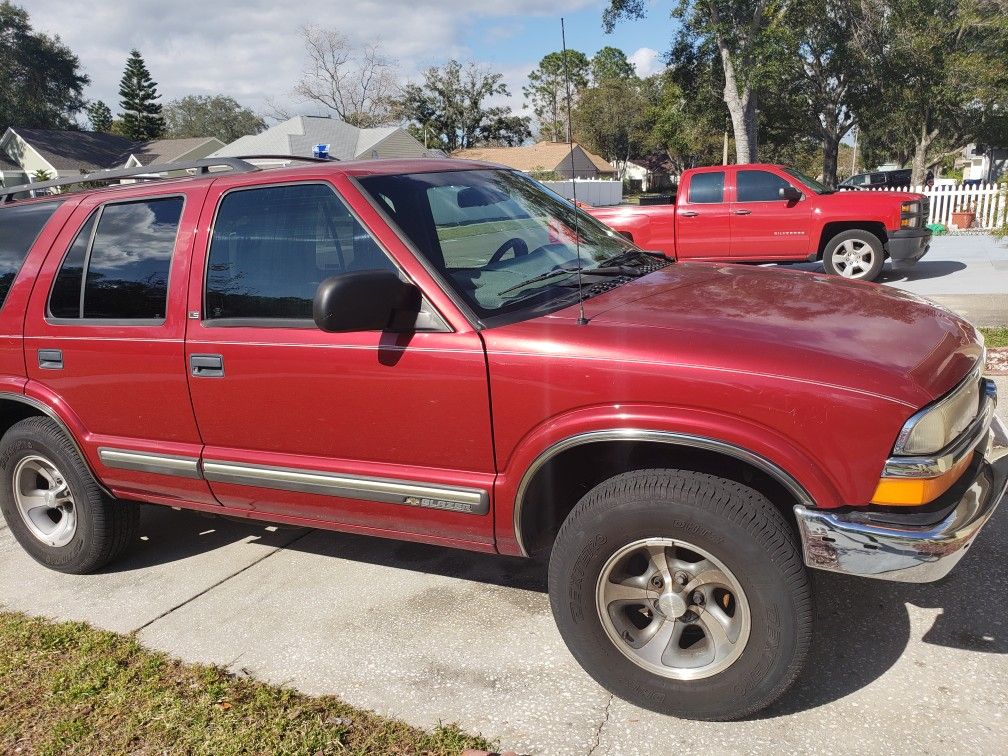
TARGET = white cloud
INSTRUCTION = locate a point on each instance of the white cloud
(646, 61)
(251, 49)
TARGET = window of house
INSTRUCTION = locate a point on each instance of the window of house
(758, 186)
(707, 188)
(19, 228)
(273, 246)
(122, 265)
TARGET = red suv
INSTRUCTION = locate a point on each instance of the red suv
(442, 351)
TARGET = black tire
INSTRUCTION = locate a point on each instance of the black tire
(104, 526)
(857, 237)
(732, 522)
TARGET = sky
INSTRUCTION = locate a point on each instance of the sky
(252, 51)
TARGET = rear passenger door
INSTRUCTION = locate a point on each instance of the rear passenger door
(375, 432)
(104, 341)
(703, 227)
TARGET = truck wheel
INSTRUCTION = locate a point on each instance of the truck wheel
(52, 504)
(854, 254)
(683, 593)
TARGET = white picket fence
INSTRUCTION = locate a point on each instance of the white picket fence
(595, 192)
(988, 201)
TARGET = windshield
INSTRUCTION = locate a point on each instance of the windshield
(503, 242)
(811, 183)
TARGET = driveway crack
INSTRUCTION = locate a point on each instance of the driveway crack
(602, 724)
(221, 582)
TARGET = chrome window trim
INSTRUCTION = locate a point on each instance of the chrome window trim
(160, 464)
(909, 425)
(931, 466)
(388, 490)
(664, 437)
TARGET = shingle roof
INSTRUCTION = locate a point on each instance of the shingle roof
(73, 150)
(166, 150)
(541, 156)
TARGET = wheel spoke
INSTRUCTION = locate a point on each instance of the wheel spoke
(625, 592)
(715, 625)
(659, 562)
(710, 575)
(654, 649)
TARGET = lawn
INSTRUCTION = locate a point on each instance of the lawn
(995, 337)
(66, 688)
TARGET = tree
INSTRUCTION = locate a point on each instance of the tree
(41, 83)
(611, 120)
(546, 92)
(451, 105)
(210, 116)
(99, 116)
(610, 63)
(141, 113)
(746, 35)
(356, 82)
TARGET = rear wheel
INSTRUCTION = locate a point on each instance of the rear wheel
(856, 254)
(683, 593)
(53, 505)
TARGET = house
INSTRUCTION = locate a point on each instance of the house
(653, 173)
(983, 163)
(544, 158)
(299, 136)
(65, 154)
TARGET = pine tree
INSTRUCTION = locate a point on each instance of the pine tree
(141, 114)
(99, 116)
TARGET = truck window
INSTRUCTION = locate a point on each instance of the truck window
(758, 186)
(123, 264)
(273, 246)
(707, 188)
(19, 228)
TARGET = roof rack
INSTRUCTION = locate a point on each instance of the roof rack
(289, 158)
(149, 173)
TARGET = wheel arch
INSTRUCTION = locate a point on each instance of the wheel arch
(563, 472)
(829, 230)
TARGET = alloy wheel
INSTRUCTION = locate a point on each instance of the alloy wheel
(45, 501)
(853, 258)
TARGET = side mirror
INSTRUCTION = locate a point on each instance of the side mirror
(368, 300)
(789, 194)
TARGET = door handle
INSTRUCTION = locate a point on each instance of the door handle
(207, 365)
(742, 212)
(689, 213)
(50, 359)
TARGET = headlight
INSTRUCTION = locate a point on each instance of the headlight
(935, 427)
(910, 214)
(910, 208)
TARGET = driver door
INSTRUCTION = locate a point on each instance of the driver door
(378, 433)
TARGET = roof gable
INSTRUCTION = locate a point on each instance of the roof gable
(544, 156)
(75, 150)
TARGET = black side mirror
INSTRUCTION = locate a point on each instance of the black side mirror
(789, 194)
(369, 300)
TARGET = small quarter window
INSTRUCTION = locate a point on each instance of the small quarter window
(65, 299)
(707, 188)
(273, 246)
(19, 228)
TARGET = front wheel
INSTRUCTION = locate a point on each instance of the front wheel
(856, 254)
(683, 593)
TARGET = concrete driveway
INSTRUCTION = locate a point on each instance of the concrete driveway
(968, 274)
(430, 635)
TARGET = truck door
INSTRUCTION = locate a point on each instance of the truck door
(703, 228)
(764, 226)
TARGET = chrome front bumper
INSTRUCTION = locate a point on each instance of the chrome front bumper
(848, 542)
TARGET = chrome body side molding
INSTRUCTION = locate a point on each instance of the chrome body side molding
(161, 464)
(390, 491)
(653, 436)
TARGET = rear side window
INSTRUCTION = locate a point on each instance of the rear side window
(117, 267)
(758, 186)
(707, 188)
(19, 228)
(273, 246)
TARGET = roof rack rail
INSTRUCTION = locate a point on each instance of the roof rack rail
(149, 173)
(291, 158)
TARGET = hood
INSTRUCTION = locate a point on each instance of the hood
(857, 335)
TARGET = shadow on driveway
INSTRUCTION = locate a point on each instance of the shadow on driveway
(923, 270)
(862, 626)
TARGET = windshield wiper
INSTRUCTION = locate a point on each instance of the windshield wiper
(600, 271)
(630, 254)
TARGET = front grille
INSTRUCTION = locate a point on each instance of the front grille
(925, 210)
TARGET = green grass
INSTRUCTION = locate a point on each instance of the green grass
(995, 337)
(66, 688)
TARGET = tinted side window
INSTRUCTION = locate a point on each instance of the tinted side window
(707, 187)
(19, 228)
(65, 298)
(272, 247)
(758, 186)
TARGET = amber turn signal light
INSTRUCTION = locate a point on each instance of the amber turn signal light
(912, 492)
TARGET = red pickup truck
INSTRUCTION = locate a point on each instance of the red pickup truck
(773, 213)
(443, 351)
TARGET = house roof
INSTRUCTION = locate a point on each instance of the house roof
(299, 135)
(167, 150)
(73, 150)
(6, 164)
(542, 156)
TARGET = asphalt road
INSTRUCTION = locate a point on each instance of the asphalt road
(968, 274)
